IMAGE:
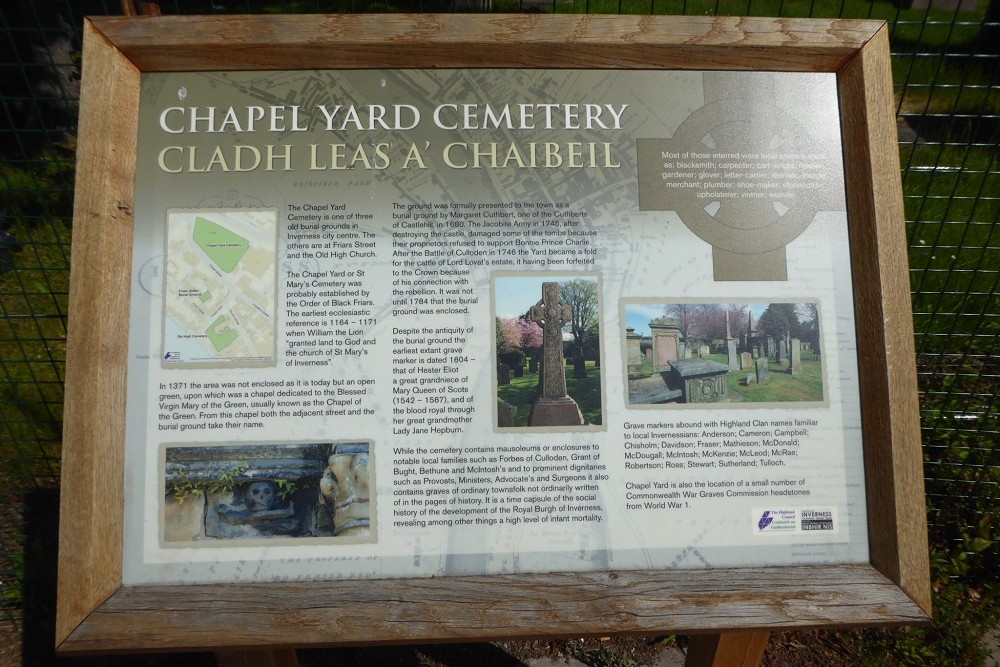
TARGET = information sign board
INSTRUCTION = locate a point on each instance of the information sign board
(400, 314)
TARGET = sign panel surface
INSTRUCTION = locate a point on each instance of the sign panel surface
(411, 323)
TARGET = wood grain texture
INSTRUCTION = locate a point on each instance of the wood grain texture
(91, 504)
(491, 608)
(97, 614)
(728, 649)
(140, 8)
(891, 417)
(198, 43)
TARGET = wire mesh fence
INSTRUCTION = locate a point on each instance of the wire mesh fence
(946, 65)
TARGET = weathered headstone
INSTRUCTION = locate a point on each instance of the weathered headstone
(761, 367)
(518, 371)
(503, 374)
(506, 413)
(779, 351)
(532, 365)
(746, 361)
(633, 342)
(734, 361)
(703, 351)
(795, 358)
(749, 380)
(554, 407)
(666, 335)
(580, 367)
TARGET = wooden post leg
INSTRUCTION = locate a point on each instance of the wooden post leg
(140, 7)
(727, 649)
(275, 658)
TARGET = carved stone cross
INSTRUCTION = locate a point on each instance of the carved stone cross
(552, 313)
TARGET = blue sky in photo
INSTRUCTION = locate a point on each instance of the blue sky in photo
(638, 315)
(516, 294)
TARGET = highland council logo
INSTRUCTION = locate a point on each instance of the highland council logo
(775, 521)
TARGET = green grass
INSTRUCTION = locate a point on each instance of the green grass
(805, 386)
(781, 387)
(33, 304)
(521, 393)
(954, 244)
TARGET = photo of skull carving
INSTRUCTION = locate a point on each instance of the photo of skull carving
(267, 491)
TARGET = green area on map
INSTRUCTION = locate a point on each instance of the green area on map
(222, 246)
(221, 334)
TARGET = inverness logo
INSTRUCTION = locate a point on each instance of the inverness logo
(171, 355)
(765, 520)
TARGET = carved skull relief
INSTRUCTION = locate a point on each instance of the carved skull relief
(260, 496)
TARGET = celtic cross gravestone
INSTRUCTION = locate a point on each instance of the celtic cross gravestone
(554, 407)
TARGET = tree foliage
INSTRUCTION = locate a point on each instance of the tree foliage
(707, 321)
(510, 332)
(739, 315)
(808, 314)
(779, 320)
(581, 296)
(501, 340)
(684, 313)
(531, 334)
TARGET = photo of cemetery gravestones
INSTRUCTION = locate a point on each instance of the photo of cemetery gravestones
(548, 351)
(689, 353)
(264, 492)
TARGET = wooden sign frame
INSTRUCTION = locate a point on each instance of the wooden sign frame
(97, 613)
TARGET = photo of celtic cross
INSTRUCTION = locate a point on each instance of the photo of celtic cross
(548, 351)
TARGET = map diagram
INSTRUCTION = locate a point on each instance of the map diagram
(220, 287)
